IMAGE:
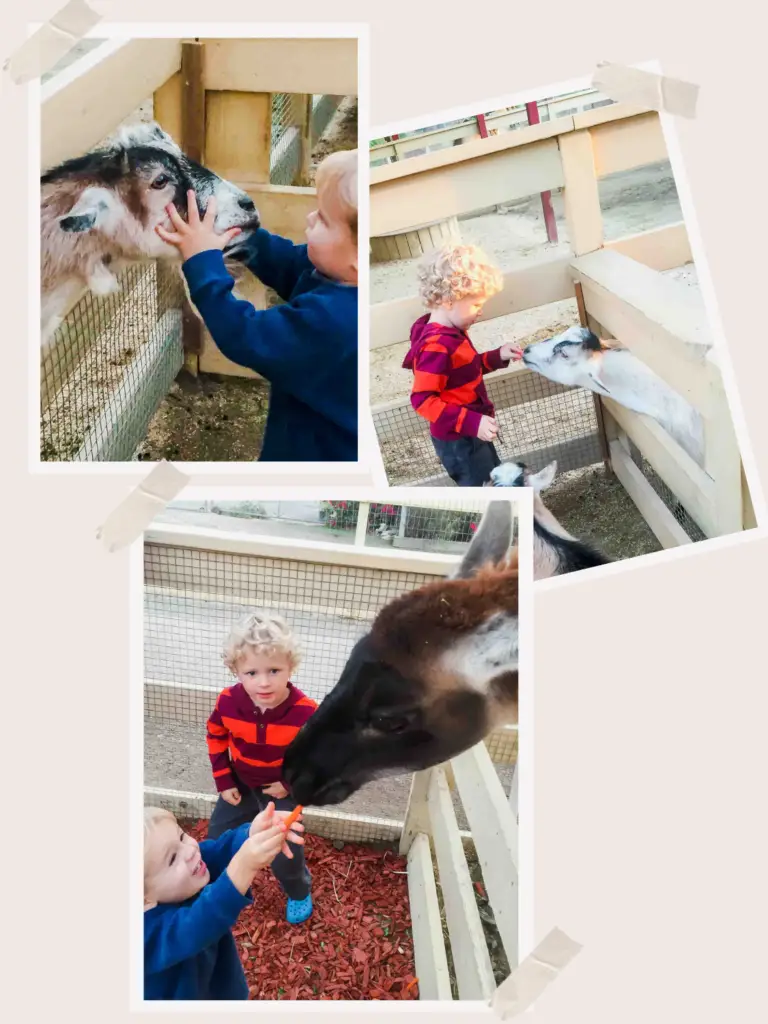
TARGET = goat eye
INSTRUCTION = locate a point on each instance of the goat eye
(389, 724)
(160, 181)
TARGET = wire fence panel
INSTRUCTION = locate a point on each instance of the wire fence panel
(109, 366)
(285, 152)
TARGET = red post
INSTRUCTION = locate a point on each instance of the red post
(481, 125)
(532, 111)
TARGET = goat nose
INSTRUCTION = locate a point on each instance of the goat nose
(246, 203)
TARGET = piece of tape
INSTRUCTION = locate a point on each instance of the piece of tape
(646, 89)
(131, 517)
(51, 42)
(526, 983)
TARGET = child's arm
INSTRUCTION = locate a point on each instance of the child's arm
(298, 347)
(498, 358)
(430, 377)
(217, 740)
(276, 261)
(176, 935)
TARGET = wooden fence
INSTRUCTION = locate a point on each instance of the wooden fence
(214, 96)
(624, 296)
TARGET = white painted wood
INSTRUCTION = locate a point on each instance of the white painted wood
(471, 961)
(722, 458)
(361, 526)
(417, 811)
(494, 830)
(431, 961)
(666, 528)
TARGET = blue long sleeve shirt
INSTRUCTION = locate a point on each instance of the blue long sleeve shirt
(189, 950)
(306, 349)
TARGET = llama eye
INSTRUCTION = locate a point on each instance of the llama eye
(160, 181)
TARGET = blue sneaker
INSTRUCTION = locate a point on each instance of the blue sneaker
(299, 911)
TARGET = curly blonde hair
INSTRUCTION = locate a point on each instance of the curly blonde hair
(265, 633)
(455, 272)
(338, 172)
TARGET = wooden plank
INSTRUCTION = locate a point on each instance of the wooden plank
(580, 194)
(603, 115)
(283, 209)
(166, 106)
(656, 317)
(478, 148)
(417, 812)
(238, 132)
(662, 522)
(461, 187)
(429, 954)
(83, 104)
(722, 458)
(622, 145)
(494, 830)
(319, 66)
(660, 249)
(693, 487)
(531, 285)
(471, 962)
(192, 141)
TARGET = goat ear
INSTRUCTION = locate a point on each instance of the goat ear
(491, 542)
(542, 480)
(90, 211)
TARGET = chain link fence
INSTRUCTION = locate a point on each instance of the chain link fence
(290, 112)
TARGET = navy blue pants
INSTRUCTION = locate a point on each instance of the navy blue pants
(468, 461)
(291, 872)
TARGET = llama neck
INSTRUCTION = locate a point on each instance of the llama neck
(636, 386)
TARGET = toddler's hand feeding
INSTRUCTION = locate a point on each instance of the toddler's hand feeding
(286, 821)
(511, 351)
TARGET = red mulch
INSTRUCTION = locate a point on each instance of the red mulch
(356, 945)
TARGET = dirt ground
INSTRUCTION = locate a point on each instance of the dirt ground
(588, 502)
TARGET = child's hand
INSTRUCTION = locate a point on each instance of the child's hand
(232, 796)
(488, 429)
(198, 235)
(275, 789)
(256, 853)
(268, 817)
(511, 351)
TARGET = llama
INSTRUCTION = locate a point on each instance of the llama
(99, 212)
(435, 674)
(578, 358)
(555, 551)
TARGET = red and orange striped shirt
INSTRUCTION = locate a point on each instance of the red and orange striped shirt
(448, 387)
(252, 742)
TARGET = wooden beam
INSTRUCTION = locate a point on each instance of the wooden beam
(430, 959)
(238, 133)
(661, 249)
(83, 104)
(622, 145)
(460, 187)
(662, 522)
(471, 962)
(531, 285)
(657, 318)
(722, 458)
(166, 106)
(603, 115)
(417, 812)
(320, 66)
(192, 141)
(580, 194)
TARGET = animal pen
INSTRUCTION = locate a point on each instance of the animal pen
(621, 292)
(250, 110)
(198, 582)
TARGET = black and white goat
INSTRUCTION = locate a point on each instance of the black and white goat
(99, 212)
(555, 551)
(578, 358)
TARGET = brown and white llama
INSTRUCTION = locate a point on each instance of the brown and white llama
(435, 674)
(98, 213)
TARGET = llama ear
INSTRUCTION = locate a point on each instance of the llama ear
(91, 210)
(491, 542)
(542, 480)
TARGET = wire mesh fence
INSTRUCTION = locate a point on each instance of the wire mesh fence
(109, 365)
(193, 597)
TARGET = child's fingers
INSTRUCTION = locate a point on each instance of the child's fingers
(168, 236)
(175, 216)
(193, 211)
(228, 235)
(210, 212)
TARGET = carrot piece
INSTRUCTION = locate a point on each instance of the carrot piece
(293, 816)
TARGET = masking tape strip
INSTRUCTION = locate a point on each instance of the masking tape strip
(51, 42)
(526, 983)
(646, 89)
(124, 523)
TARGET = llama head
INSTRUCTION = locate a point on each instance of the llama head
(517, 474)
(120, 191)
(574, 358)
(436, 672)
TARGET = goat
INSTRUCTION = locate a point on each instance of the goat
(435, 674)
(555, 551)
(99, 212)
(578, 358)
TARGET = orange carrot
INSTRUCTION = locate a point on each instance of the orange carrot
(409, 986)
(293, 816)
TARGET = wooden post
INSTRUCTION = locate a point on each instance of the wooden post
(361, 529)
(597, 400)
(193, 143)
(582, 200)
